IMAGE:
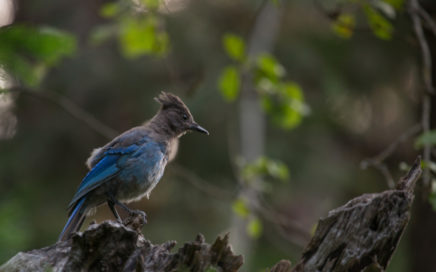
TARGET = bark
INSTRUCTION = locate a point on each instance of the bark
(364, 232)
(361, 234)
(111, 246)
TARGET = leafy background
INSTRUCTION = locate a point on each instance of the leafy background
(335, 89)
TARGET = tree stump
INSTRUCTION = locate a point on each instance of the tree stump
(362, 233)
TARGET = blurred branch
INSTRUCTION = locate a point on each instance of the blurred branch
(378, 160)
(414, 12)
(70, 107)
(426, 110)
(428, 20)
(97, 126)
(286, 228)
(201, 184)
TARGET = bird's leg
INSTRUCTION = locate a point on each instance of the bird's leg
(112, 202)
(111, 205)
(132, 213)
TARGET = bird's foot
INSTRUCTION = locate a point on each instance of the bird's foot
(135, 220)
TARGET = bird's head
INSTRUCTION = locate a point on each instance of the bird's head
(176, 115)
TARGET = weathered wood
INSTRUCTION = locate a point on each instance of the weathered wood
(362, 233)
(111, 246)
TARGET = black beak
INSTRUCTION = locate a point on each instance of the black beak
(198, 128)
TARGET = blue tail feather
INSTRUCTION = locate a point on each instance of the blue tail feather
(74, 221)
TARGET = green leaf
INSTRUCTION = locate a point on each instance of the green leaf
(344, 25)
(254, 228)
(229, 83)
(285, 105)
(278, 170)
(264, 166)
(269, 68)
(27, 52)
(109, 10)
(234, 46)
(426, 138)
(381, 27)
(140, 36)
(240, 208)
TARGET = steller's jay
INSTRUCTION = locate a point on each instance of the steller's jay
(129, 167)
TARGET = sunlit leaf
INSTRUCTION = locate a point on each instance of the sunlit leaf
(109, 10)
(381, 27)
(234, 46)
(27, 52)
(425, 138)
(254, 228)
(240, 208)
(139, 36)
(264, 166)
(229, 83)
(269, 67)
(344, 25)
(286, 105)
(278, 170)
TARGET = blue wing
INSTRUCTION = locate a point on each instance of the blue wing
(105, 169)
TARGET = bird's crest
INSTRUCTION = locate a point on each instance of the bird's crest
(168, 100)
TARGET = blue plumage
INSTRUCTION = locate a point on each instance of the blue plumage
(130, 166)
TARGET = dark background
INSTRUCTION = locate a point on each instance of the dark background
(363, 93)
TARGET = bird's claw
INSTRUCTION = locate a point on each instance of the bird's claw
(135, 220)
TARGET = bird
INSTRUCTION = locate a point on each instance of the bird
(129, 167)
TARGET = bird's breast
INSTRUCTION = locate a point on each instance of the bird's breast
(141, 173)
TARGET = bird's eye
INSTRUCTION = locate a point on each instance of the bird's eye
(185, 117)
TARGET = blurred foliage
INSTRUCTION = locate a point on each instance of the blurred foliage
(14, 233)
(234, 46)
(137, 26)
(282, 100)
(378, 14)
(230, 83)
(26, 52)
(380, 26)
(344, 25)
(426, 138)
(240, 207)
(254, 228)
(264, 167)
